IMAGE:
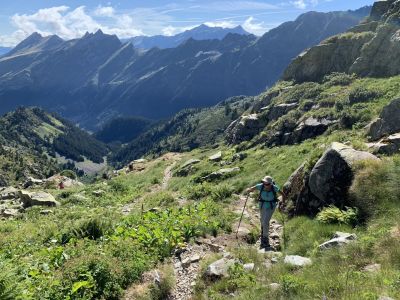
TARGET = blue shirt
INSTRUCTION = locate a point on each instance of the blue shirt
(267, 195)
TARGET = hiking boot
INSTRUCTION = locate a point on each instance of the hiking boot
(264, 244)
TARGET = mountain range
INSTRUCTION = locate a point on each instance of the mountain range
(202, 32)
(95, 78)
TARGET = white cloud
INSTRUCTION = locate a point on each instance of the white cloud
(300, 4)
(73, 23)
(224, 24)
(253, 27)
(104, 11)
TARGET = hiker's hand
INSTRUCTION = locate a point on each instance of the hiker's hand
(248, 191)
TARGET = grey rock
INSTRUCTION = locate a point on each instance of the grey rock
(220, 174)
(372, 268)
(29, 199)
(98, 193)
(339, 239)
(386, 146)
(219, 268)
(32, 182)
(216, 157)
(46, 212)
(310, 128)
(333, 174)
(244, 128)
(274, 286)
(248, 267)
(385, 298)
(387, 123)
(9, 213)
(8, 193)
(277, 111)
(297, 261)
(187, 167)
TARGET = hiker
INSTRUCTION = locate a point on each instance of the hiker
(268, 200)
(61, 185)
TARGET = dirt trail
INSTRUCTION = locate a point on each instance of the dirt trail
(174, 157)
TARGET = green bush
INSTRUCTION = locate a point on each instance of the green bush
(221, 192)
(332, 215)
(8, 288)
(68, 173)
(361, 94)
(341, 79)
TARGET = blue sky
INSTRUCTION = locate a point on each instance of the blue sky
(126, 18)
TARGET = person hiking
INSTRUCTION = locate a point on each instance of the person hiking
(268, 200)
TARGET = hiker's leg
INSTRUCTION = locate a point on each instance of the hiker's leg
(264, 212)
(265, 227)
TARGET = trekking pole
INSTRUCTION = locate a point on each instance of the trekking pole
(240, 221)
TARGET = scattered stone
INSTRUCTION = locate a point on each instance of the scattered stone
(274, 286)
(216, 157)
(219, 268)
(32, 182)
(140, 161)
(297, 261)
(187, 167)
(46, 212)
(248, 267)
(9, 213)
(195, 258)
(339, 239)
(8, 193)
(67, 182)
(29, 199)
(372, 268)
(98, 193)
(387, 123)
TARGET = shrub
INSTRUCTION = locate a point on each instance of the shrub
(361, 94)
(161, 290)
(93, 229)
(376, 189)
(221, 192)
(8, 290)
(332, 214)
(198, 191)
(68, 173)
(335, 78)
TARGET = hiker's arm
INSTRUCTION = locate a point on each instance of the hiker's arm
(251, 189)
(280, 193)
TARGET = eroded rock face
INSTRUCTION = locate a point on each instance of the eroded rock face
(29, 199)
(277, 111)
(387, 123)
(328, 182)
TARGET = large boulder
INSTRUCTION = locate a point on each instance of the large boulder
(32, 182)
(297, 261)
(327, 182)
(186, 168)
(277, 111)
(29, 199)
(310, 128)
(216, 157)
(333, 174)
(387, 123)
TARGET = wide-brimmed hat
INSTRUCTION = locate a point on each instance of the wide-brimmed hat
(267, 179)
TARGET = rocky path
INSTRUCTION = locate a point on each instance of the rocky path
(187, 264)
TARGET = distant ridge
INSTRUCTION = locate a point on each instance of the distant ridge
(202, 32)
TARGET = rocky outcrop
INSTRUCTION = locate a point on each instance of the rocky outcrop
(387, 123)
(29, 199)
(277, 111)
(244, 128)
(337, 54)
(216, 157)
(370, 49)
(326, 183)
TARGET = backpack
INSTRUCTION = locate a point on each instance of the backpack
(270, 202)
